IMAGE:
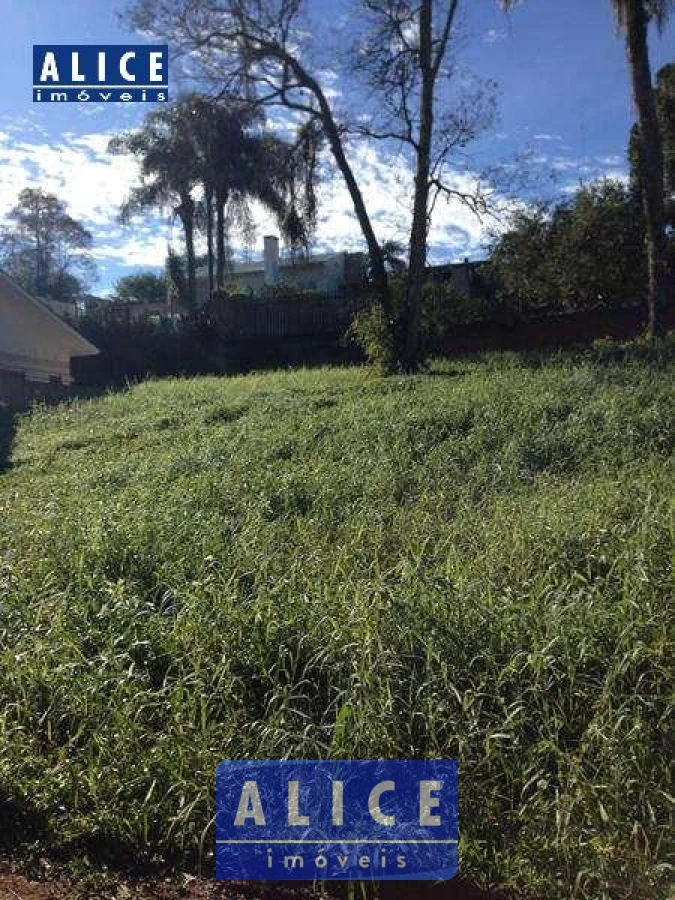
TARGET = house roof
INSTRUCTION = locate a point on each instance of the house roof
(78, 345)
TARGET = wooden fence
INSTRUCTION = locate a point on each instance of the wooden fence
(244, 318)
(17, 392)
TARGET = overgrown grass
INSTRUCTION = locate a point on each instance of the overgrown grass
(469, 564)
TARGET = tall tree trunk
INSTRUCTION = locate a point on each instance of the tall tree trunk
(379, 272)
(221, 202)
(409, 351)
(38, 265)
(651, 162)
(188, 219)
(208, 199)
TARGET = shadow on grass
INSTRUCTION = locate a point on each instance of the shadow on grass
(21, 824)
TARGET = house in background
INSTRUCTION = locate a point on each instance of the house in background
(330, 274)
(36, 346)
(463, 276)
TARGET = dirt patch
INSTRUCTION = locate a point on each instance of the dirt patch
(16, 886)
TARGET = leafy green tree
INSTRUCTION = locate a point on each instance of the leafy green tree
(522, 262)
(665, 106)
(585, 252)
(45, 249)
(143, 287)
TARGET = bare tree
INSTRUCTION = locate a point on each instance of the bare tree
(253, 49)
(403, 59)
(259, 50)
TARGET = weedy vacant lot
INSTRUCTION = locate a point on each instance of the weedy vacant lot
(472, 563)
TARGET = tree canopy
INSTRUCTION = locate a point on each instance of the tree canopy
(45, 248)
(584, 252)
(143, 287)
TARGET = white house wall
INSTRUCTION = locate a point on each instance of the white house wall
(33, 340)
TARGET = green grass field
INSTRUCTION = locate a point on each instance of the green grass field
(473, 563)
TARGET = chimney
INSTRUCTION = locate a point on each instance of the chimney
(271, 256)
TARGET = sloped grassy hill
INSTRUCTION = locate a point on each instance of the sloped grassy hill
(472, 563)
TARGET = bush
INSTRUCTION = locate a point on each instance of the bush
(658, 351)
(584, 253)
(375, 334)
(281, 292)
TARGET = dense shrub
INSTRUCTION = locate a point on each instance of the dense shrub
(584, 252)
(442, 306)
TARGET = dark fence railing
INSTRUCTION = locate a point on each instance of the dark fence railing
(554, 330)
(243, 318)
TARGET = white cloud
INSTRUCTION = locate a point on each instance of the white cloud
(93, 182)
(386, 184)
(79, 169)
(547, 137)
(494, 36)
(134, 250)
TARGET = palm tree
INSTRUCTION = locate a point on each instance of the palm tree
(202, 142)
(633, 17)
(236, 165)
(168, 177)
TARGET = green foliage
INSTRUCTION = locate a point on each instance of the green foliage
(290, 293)
(45, 249)
(456, 307)
(177, 279)
(283, 293)
(585, 252)
(469, 564)
(374, 333)
(665, 109)
(144, 287)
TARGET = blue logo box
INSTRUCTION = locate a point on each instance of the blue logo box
(336, 820)
(137, 73)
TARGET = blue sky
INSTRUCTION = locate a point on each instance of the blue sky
(564, 99)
